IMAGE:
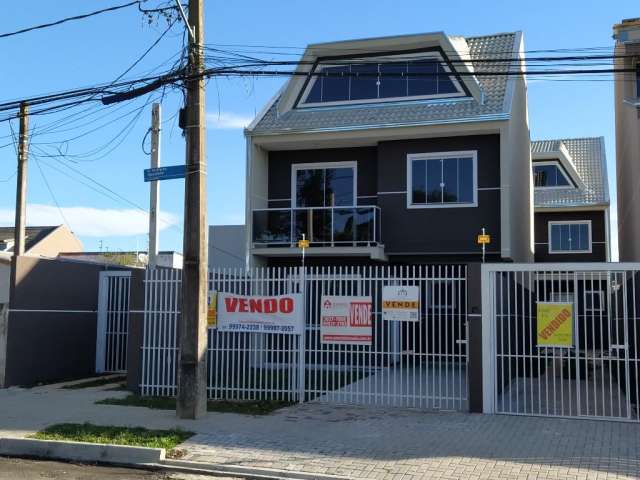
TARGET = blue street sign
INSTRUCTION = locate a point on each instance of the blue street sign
(164, 173)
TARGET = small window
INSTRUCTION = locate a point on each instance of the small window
(570, 237)
(442, 179)
(549, 175)
(594, 301)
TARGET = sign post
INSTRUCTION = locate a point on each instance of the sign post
(303, 244)
(483, 239)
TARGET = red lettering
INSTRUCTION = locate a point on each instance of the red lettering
(270, 305)
(255, 305)
(231, 304)
(286, 305)
(244, 305)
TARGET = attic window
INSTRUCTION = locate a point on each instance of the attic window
(550, 175)
(380, 79)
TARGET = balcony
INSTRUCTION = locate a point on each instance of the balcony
(330, 230)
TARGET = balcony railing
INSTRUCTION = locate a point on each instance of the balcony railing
(323, 226)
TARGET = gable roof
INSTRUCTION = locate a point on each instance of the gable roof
(490, 98)
(33, 235)
(588, 157)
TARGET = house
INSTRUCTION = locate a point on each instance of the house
(168, 259)
(227, 246)
(627, 108)
(44, 242)
(571, 198)
(395, 149)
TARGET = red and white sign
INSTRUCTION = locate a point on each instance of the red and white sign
(272, 314)
(345, 320)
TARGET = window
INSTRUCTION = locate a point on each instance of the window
(381, 80)
(324, 185)
(442, 180)
(549, 175)
(570, 237)
(594, 301)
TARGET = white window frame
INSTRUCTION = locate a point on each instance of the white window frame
(323, 166)
(381, 59)
(560, 168)
(593, 293)
(441, 156)
(569, 222)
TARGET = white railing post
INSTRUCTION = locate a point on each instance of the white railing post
(302, 274)
(488, 342)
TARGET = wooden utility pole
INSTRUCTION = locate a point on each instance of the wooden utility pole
(192, 370)
(21, 188)
(154, 187)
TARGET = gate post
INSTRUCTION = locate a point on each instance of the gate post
(101, 323)
(474, 336)
(302, 347)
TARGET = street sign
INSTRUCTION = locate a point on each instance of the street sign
(482, 239)
(164, 173)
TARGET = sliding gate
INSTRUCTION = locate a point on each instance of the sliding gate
(421, 364)
(561, 340)
(113, 321)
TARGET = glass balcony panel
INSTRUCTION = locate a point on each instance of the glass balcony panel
(344, 226)
(272, 226)
(365, 225)
(315, 223)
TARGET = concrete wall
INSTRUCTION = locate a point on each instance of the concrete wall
(227, 246)
(51, 328)
(627, 156)
(5, 275)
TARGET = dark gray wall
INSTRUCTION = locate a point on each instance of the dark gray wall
(136, 331)
(598, 236)
(44, 347)
(450, 231)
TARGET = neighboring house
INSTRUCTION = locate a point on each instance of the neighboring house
(227, 247)
(627, 107)
(394, 150)
(168, 259)
(45, 242)
(571, 200)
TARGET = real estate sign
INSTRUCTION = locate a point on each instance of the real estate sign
(555, 324)
(212, 310)
(345, 320)
(261, 314)
(400, 303)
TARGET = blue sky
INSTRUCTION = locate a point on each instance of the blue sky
(99, 49)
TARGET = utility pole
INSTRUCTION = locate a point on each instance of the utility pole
(21, 189)
(154, 187)
(192, 378)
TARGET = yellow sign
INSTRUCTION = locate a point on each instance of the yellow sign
(400, 304)
(555, 324)
(212, 310)
(484, 239)
(303, 243)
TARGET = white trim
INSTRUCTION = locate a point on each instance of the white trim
(555, 267)
(568, 222)
(560, 168)
(302, 103)
(442, 155)
(392, 193)
(323, 166)
(367, 196)
(480, 189)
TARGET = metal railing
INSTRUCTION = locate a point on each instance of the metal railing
(322, 226)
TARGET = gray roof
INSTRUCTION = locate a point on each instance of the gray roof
(589, 158)
(409, 112)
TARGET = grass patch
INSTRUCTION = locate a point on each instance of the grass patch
(248, 407)
(137, 436)
(97, 382)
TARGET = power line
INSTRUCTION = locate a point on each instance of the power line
(53, 197)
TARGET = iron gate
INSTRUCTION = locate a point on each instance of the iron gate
(419, 364)
(113, 321)
(595, 374)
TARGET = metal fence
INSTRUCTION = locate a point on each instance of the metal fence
(595, 374)
(419, 364)
(113, 321)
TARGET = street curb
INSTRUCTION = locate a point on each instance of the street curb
(80, 451)
(245, 472)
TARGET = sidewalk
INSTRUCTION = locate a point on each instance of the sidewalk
(359, 442)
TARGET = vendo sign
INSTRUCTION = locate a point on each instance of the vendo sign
(261, 314)
(345, 320)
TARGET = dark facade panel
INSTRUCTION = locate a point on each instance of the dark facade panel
(280, 169)
(598, 236)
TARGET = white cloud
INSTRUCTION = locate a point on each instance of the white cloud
(227, 120)
(89, 221)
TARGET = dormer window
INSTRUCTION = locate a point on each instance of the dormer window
(379, 79)
(550, 175)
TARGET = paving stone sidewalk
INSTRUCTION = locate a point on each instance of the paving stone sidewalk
(396, 444)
